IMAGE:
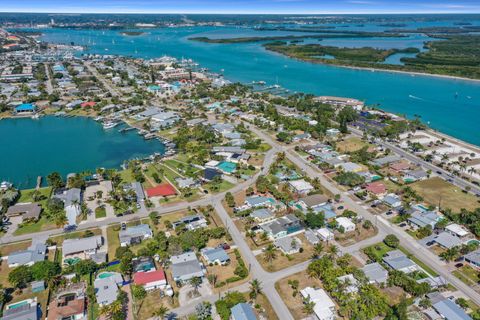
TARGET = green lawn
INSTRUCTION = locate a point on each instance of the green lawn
(41, 225)
(126, 175)
(100, 212)
(380, 250)
(223, 186)
(466, 274)
(26, 195)
(113, 241)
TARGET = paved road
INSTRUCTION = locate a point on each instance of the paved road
(458, 181)
(384, 227)
(48, 83)
(105, 83)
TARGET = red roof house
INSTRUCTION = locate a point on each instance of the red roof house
(150, 280)
(162, 190)
(88, 104)
(377, 188)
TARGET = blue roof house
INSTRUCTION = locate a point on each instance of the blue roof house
(242, 311)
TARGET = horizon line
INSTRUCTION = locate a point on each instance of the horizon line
(248, 13)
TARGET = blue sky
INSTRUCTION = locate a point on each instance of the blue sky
(243, 6)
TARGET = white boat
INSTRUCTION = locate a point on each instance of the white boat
(35, 116)
(109, 125)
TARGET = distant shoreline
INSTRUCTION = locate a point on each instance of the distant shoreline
(412, 73)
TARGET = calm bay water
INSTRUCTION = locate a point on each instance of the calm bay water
(448, 105)
(39, 147)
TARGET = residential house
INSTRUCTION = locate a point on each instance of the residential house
(313, 201)
(259, 201)
(300, 137)
(459, 231)
(164, 119)
(311, 237)
(191, 222)
(106, 287)
(242, 311)
(281, 227)
(22, 310)
(447, 309)
(72, 198)
(186, 183)
(377, 189)
(324, 307)
(415, 175)
(386, 160)
(185, 267)
(262, 215)
(325, 234)
(69, 303)
(392, 200)
(473, 258)
(135, 234)
(137, 188)
(346, 224)
(397, 260)
(349, 167)
(215, 255)
(301, 186)
(28, 211)
(35, 253)
(420, 219)
(447, 240)
(375, 273)
(288, 245)
(150, 280)
(350, 282)
(80, 248)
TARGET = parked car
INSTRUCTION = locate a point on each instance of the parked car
(123, 225)
(70, 228)
(459, 265)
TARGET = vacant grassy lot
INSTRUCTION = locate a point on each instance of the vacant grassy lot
(27, 194)
(351, 144)
(113, 241)
(437, 190)
(295, 302)
(360, 234)
(284, 261)
(31, 227)
(468, 275)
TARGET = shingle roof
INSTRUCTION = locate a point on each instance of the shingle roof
(243, 311)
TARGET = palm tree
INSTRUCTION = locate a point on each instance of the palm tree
(333, 250)
(161, 312)
(270, 253)
(317, 250)
(308, 306)
(255, 288)
(196, 282)
(60, 219)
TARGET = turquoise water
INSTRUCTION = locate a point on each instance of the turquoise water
(434, 99)
(18, 305)
(104, 275)
(39, 147)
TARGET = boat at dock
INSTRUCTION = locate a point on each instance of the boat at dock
(123, 130)
(109, 124)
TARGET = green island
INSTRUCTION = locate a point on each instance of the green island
(293, 37)
(456, 55)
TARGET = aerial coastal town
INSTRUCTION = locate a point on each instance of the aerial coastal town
(259, 205)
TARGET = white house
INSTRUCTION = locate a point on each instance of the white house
(301, 186)
(324, 306)
(325, 234)
(346, 224)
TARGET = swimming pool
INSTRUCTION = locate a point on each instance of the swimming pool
(104, 275)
